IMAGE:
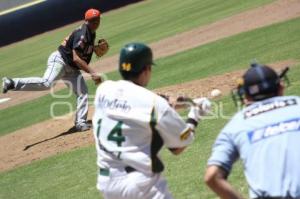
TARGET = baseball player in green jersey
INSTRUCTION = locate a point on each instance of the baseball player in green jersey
(132, 124)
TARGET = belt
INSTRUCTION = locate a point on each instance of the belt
(106, 172)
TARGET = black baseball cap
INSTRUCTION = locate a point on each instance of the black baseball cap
(260, 82)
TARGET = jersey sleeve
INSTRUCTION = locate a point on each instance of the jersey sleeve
(173, 130)
(78, 41)
(224, 152)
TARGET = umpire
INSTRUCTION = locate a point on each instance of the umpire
(265, 135)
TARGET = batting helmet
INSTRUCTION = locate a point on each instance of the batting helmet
(134, 57)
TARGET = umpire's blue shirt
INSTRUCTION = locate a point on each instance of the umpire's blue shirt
(266, 137)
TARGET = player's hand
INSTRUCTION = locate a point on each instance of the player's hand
(96, 78)
(204, 105)
(201, 107)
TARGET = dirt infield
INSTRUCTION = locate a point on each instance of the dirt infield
(203, 87)
(275, 12)
(55, 136)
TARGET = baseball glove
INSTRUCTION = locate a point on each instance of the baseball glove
(101, 48)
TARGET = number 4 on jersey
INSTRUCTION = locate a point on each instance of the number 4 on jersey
(115, 135)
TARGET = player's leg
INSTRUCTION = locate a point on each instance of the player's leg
(151, 187)
(75, 80)
(134, 186)
(160, 188)
(53, 72)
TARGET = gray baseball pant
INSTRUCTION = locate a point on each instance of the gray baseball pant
(58, 69)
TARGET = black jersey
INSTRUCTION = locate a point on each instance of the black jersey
(81, 40)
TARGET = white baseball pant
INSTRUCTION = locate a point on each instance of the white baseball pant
(58, 69)
(135, 185)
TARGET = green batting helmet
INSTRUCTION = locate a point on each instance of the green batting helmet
(134, 57)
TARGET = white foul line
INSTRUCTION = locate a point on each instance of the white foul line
(21, 6)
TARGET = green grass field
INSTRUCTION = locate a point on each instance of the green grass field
(73, 174)
(147, 21)
(270, 44)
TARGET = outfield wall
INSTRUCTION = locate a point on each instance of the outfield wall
(48, 15)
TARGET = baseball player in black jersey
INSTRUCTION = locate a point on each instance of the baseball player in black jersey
(73, 55)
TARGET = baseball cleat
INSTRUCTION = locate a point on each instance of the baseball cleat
(83, 127)
(7, 84)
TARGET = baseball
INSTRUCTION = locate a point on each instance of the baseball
(215, 93)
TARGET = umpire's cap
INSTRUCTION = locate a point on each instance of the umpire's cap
(134, 57)
(260, 82)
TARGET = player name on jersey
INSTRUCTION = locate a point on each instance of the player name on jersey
(114, 104)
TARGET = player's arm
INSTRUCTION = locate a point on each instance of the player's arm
(189, 132)
(200, 108)
(85, 67)
(176, 133)
(216, 180)
(177, 151)
(81, 63)
(224, 154)
(78, 45)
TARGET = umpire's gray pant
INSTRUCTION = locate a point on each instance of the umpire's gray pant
(58, 69)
